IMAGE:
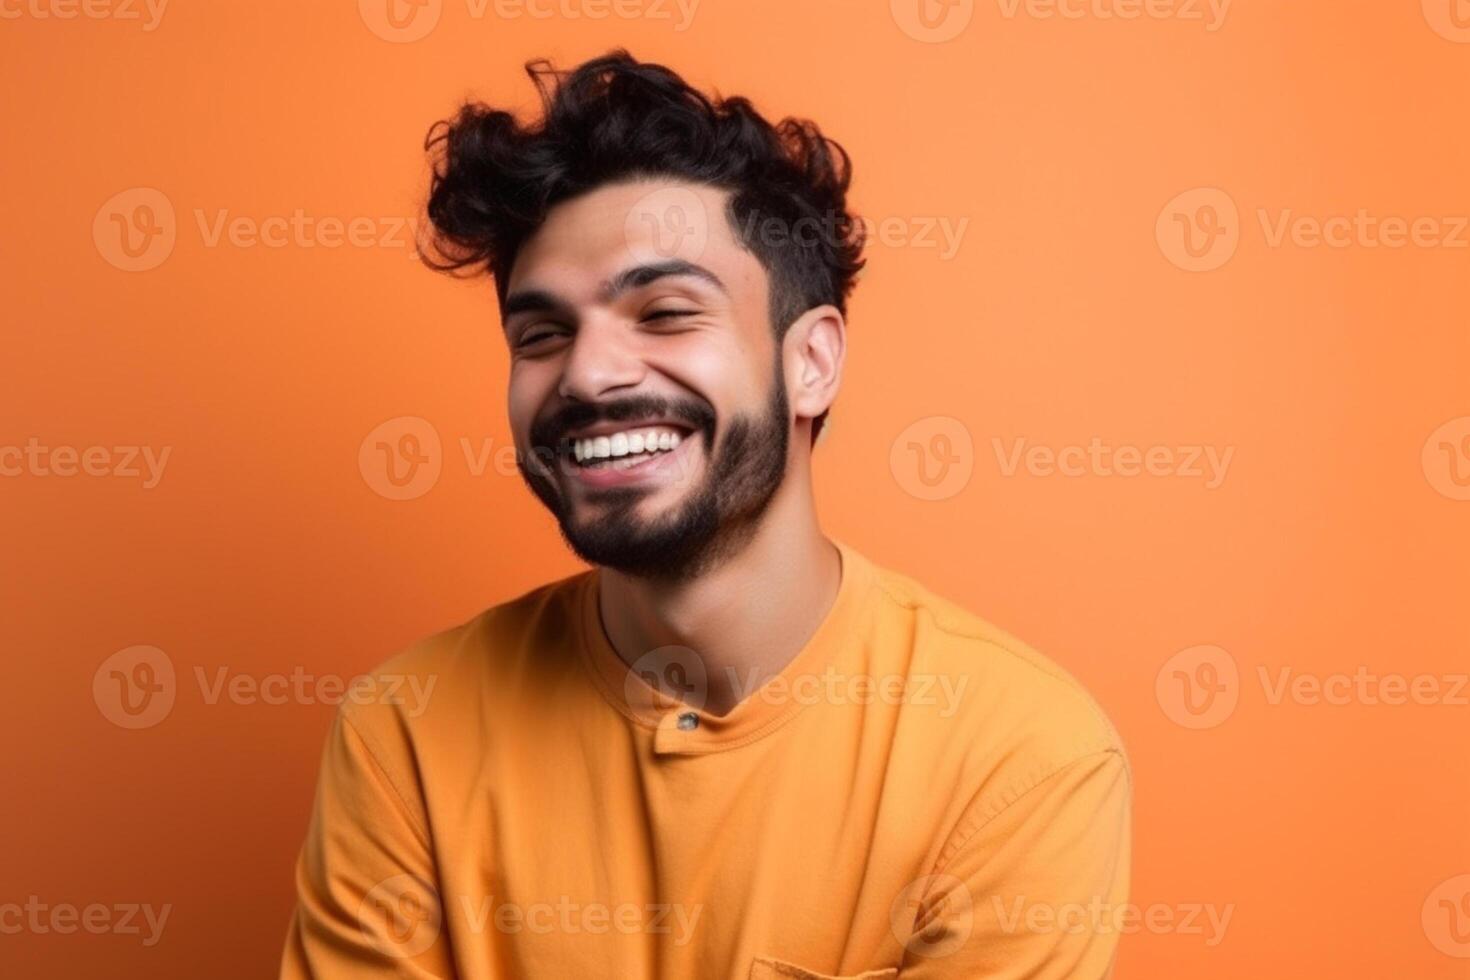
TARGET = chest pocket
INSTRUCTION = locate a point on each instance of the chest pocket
(765, 968)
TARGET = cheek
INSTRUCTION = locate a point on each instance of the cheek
(727, 372)
(531, 385)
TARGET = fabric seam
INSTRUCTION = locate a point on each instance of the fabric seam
(373, 752)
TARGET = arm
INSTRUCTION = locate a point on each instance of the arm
(367, 904)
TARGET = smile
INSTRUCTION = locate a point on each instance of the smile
(624, 448)
(644, 455)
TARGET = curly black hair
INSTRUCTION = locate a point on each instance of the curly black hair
(615, 118)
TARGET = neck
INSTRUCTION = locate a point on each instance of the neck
(748, 615)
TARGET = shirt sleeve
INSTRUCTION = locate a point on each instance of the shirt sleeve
(1033, 885)
(367, 900)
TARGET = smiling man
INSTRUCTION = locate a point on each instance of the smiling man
(733, 748)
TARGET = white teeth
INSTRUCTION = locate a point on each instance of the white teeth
(621, 446)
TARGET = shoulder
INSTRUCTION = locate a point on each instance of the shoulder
(1004, 716)
(434, 681)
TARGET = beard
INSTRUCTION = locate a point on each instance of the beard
(712, 522)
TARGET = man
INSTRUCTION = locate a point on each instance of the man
(734, 748)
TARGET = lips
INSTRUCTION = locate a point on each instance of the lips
(665, 464)
(615, 446)
(620, 434)
(635, 437)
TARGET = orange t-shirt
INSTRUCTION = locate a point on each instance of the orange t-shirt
(916, 795)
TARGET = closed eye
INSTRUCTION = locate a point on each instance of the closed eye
(538, 343)
(536, 335)
(668, 314)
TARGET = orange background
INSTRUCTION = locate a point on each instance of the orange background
(1063, 317)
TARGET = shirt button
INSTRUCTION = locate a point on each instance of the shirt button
(688, 721)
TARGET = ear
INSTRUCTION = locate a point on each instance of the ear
(813, 350)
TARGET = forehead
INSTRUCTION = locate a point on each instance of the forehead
(587, 240)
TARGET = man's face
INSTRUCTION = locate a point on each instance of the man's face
(646, 397)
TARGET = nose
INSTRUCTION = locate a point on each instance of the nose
(602, 359)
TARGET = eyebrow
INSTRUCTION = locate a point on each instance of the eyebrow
(634, 277)
(638, 276)
(529, 300)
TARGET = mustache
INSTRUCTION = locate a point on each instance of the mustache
(548, 433)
